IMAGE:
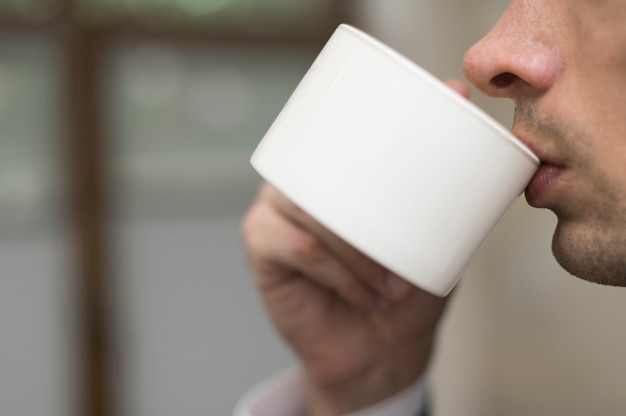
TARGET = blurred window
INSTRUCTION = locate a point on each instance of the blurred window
(31, 10)
(236, 16)
(166, 99)
(35, 295)
(185, 120)
(30, 75)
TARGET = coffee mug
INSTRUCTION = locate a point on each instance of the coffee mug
(393, 161)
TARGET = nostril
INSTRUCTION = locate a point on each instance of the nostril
(503, 80)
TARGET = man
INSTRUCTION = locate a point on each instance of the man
(363, 336)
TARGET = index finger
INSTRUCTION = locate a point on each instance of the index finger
(369, 271)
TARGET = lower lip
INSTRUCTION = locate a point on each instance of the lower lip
(542, 182)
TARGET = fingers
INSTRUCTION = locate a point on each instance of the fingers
(323, 244)
(280, 250)
(459, 86)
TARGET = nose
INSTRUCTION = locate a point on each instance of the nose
(518, 57)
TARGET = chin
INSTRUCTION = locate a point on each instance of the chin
(592, 255)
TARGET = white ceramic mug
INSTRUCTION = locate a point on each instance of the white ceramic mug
(393, 161)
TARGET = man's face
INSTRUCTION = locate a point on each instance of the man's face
(563, 62)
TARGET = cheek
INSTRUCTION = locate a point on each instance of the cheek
(595, 102)
(603, 183)
(607, 119)
(613, 167)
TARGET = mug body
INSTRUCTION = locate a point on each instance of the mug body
(393, 161)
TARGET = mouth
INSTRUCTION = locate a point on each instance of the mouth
(542, 183)
(545, 178)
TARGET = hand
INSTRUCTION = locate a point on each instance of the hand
(361, 333)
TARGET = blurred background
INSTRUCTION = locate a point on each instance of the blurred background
(125, 130)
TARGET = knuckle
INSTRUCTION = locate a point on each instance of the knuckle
(248, 228)
(351, 288)
(309, 250)
(257, 246)
(255, 229)
(366, 268)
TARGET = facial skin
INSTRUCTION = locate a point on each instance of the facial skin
(563, 62)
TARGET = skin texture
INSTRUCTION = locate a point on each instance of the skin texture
(362, 335)
(564, 65)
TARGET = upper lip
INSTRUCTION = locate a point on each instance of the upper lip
(544, 156)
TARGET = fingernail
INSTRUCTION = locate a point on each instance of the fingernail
(398, 287)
